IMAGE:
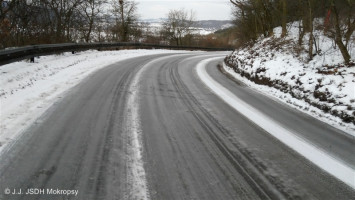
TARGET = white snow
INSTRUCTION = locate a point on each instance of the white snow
(29, 89)
(328, 163)
(276, 59)
(157, 26)
(295, 103)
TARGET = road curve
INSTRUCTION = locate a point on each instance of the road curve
(149, 128)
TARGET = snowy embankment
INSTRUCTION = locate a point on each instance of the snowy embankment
(322, 87)
(29, 89)
(318, 157)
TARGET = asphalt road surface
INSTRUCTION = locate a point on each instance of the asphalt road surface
(149, 128)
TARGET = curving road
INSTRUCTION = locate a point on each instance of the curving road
(149, 128)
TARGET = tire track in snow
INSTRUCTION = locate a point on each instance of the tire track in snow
(136, 176)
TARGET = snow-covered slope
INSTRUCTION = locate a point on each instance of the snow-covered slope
(322, 87)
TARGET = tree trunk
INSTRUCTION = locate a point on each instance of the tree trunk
(268, 17)
(351, 26)
(300, 33)
(338, 37)
(284, 18)
(91, 18)
(349, 32)
(123, 26)
(310, 41)
(87, 37)
(301, 23)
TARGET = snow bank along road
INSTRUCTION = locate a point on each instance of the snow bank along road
(150, 128)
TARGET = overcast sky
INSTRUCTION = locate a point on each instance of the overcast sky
(204, 9)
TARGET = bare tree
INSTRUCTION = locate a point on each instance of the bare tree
(255, 17)
(91, 11)
(6, 6)
(350, 22)
(338, 33)
(310, 9)
(178, 24)
(126, 16)
(63, 11)
(24, 24)
(284, 17)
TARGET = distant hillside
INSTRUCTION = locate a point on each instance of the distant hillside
(212, 25)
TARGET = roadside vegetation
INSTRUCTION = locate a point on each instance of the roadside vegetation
(30, 22)
(304, 49)
(255, 18)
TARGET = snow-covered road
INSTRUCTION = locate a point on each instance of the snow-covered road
(330, 164)
(29, 89)
(145, 126)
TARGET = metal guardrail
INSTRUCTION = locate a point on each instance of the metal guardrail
(17, 54)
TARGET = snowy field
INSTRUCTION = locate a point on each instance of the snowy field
(156, 27)
(322, 87)
(29, 89)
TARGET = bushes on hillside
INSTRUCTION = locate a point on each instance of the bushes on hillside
(259, 17)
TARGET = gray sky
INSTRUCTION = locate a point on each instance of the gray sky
(204, 9)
